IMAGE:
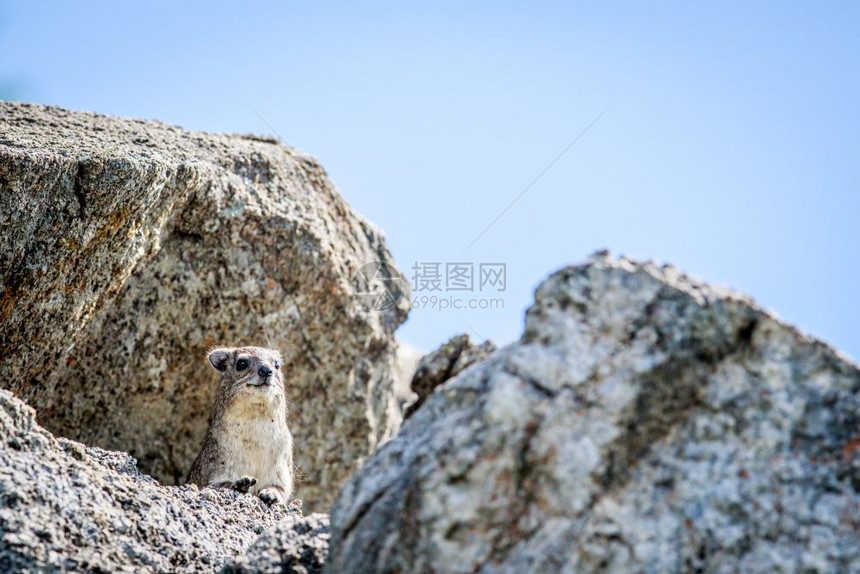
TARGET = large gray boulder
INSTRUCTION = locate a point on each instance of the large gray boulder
(68, 508)
(645, 422)
(128, 247)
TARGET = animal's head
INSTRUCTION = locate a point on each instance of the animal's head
(248, 371)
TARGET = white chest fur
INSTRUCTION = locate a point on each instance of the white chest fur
(257, 446)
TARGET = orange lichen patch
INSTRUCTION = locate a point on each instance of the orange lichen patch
(69, 243)
(504, 479)
(851, 447)
(688, 523)
(549, 456)
(7, 301)
(113, 222)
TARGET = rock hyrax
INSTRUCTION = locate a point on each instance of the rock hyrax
(249, 446)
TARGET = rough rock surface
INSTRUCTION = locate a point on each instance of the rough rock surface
(65, 507)
(295, 544)
(445, 363)
(645, 422)
(129, 247)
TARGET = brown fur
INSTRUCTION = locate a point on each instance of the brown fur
(248, 446)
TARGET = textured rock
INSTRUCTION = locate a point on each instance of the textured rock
(295, 544)
(645, 422)
(129, 247)
(65, 507)
(443, 364)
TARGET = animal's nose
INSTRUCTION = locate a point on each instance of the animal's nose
(264, 371)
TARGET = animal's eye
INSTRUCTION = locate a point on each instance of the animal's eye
(278, 365)
(241, 364)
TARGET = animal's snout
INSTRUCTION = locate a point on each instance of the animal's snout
(264, 371)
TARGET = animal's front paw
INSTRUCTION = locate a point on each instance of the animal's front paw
(244, 484)
(271, 496)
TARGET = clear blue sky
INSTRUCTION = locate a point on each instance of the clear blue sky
(730, 146)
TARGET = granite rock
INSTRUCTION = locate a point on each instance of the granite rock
(296, 544)
(65, 507)
(446, 362)
(644, 422)
(129, 247)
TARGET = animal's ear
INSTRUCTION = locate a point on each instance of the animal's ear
(219, 358)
